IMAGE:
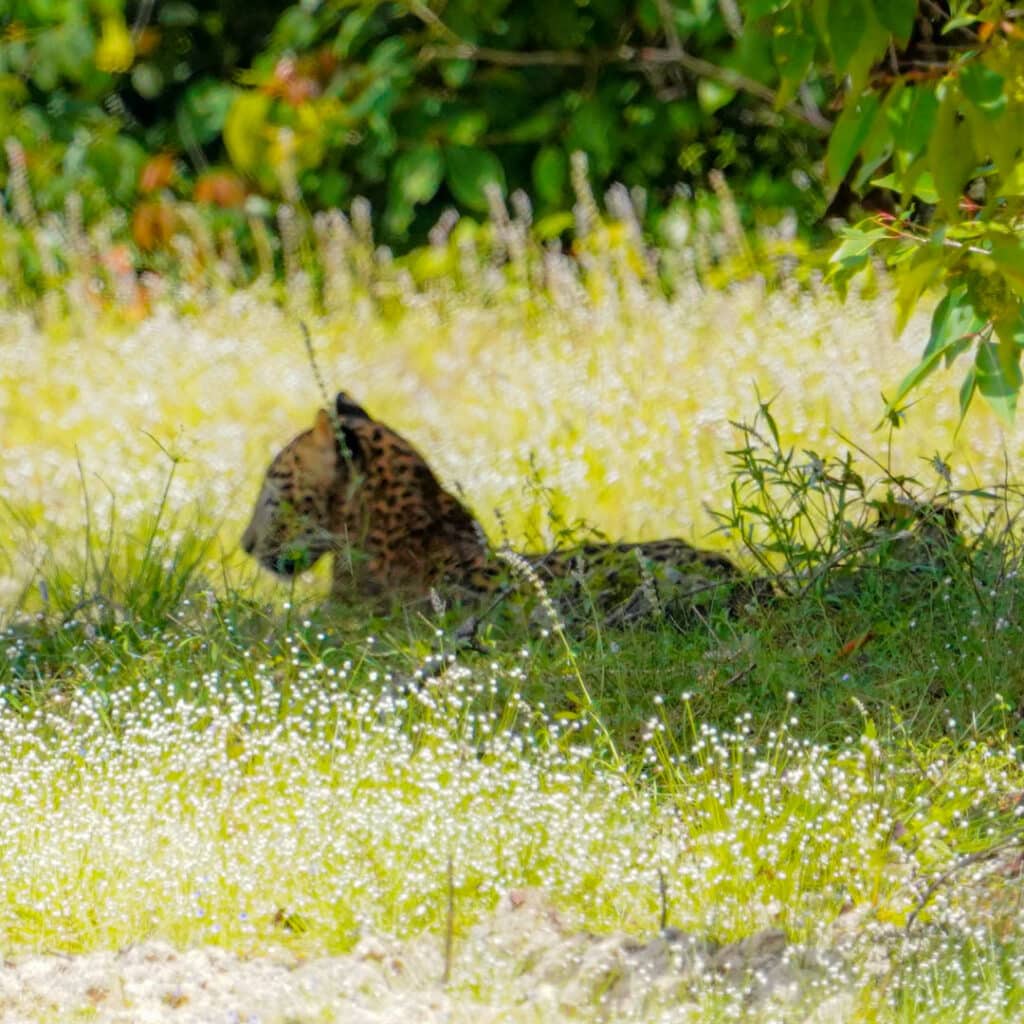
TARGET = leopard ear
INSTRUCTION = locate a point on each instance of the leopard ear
(323, 429)
(337, 434)
(344, 406)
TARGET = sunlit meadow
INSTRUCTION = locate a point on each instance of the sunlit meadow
(195, 755)
(594, 384)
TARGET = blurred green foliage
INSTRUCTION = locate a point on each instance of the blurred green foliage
(91, 90)
(327, 100)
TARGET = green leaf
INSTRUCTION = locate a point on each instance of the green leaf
(244, 130)
(553, 225)
(954, 318)
(550, 174)
(997, 370)
(852, 255)
(296, 29)
(468, 171)
(875, 150)
(332, 188)
(175, 14)
(792, 51)
(911, 112)
(417, 174)
(349, 30)
(398, 217)
(923, 268)
(67, 50)
(955, 324)
(147, 80)
(951, 153)
(1003, 141)
(856, 243)
(541, 124)
(1012, 183)
(712, 95)
(456, 73)
(1011, 330)
(961, 20)
(849, 133)
(205, 109)
(967, 390)
(117, 161)
(913, 379)
(897, 16)
(595, 128)
(923, 188)
(845, 22)
(1008, 256)
(985, 88)
(872, 48)
(463, 127)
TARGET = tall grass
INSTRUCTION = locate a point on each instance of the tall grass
(617, 389)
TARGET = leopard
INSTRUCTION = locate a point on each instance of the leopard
(353, 487)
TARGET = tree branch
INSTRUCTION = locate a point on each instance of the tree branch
(457, 48)
(625, 56)
(731, 16)
(668, 24)
(513, 58)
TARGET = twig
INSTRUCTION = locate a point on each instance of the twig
(737, 676)
(627, 56)
(430, 19)
(675, 45)
(731, 16)
(307, 339)
(332, 409)
(515, 58)
(663, 896)
(669, 25)
(964, 862)
(142, 19)
(812, 110)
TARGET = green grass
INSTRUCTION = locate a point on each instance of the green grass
(230, 780)
(195, 752)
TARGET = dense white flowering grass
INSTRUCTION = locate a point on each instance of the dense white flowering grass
(310, 809)
(619, 405)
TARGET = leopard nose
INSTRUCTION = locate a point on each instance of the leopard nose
(248, 542)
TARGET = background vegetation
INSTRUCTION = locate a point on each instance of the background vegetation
(324, 102)
(804, 106)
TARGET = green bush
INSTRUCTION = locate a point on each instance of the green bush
(326, 102)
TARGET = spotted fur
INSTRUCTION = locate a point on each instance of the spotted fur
(353, 487)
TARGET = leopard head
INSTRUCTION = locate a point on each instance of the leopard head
(290, 527)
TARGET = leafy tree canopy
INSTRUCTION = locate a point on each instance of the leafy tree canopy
(415, 108)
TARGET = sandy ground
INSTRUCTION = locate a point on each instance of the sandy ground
(520, 965)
